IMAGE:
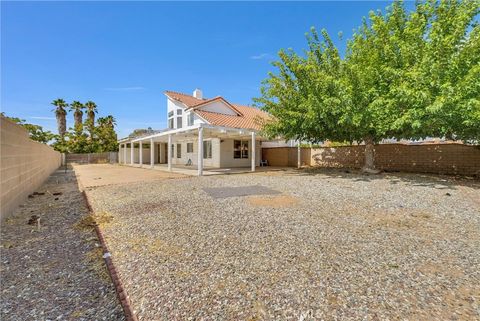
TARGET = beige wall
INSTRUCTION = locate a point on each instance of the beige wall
(226, 154)
(25, 165)
(426, 158)
(286, 156)
(222, 153)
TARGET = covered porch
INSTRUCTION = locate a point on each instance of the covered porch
(200, 150)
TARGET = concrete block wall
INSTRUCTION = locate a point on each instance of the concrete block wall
(25, 165)
(452, 158)
(286, 156)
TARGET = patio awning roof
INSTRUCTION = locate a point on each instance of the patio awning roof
(209, 131)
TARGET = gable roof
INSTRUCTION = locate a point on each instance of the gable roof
(247, 117)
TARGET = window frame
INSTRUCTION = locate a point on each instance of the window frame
(242, 151)
(179, 150)
(170, 123)
(190, 119)
(207, 149)
(179, 121)
(189, 148)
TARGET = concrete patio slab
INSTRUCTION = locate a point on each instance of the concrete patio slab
(95, 175)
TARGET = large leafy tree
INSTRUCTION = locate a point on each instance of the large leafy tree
(405, 75)
(35, 132)
(105, 132)
(61, 115)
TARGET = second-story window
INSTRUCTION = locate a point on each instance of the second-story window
(179, 111)
(170, 113)
(170, 123)
(191, 118)
(179, 122)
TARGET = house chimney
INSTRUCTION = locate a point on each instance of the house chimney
(197, 93)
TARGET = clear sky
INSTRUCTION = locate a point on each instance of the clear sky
(123, 55)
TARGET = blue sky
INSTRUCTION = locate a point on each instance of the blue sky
(123, 55)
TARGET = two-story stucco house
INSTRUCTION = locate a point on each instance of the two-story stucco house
(202, 133)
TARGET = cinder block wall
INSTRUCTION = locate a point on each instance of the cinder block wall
(286, 156)
(25, 165)
(427, 158)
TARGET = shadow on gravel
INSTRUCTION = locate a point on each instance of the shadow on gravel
(442, 182)
(51, 269)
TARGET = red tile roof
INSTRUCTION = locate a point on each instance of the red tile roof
(248, 117)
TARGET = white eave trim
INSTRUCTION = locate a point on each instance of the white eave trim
(193, 128)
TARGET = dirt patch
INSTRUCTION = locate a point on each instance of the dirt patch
(95, 261)
(90, 221)
(273, 201)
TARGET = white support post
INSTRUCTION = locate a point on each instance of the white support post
(125, 154)
(299, 155)
(200, 151)
(152, 153)
(253, 151)
(131, 153)
(140, 154)
(169, 152)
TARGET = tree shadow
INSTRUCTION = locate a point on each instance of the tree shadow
(436, 181)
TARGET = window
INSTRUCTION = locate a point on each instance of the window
(207, 149)
(240, 149)
(189, 147)
(170, 113)
(191, 118)
(170, 123)
(173, 149)
(179, 150)
(179, 122)
(179, 111)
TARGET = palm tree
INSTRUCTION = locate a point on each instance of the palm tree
(61, 115)
(91, 111)
(77, 107)
(110, 121)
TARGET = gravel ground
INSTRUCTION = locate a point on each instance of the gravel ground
(55, 271)
(331, 246)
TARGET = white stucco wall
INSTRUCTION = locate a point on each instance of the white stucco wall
(136, 155)
(226, 155)
(173, 105)
(218, 107)
(222, 154)
(208, 162)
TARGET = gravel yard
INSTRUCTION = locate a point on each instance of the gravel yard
(55, 270)
(329, 246)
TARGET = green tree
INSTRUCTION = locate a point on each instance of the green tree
(77, 107)
(141, 132)
(61, 115)
(78, 141)
(105, 131)
(405, 75)
(35, 132)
